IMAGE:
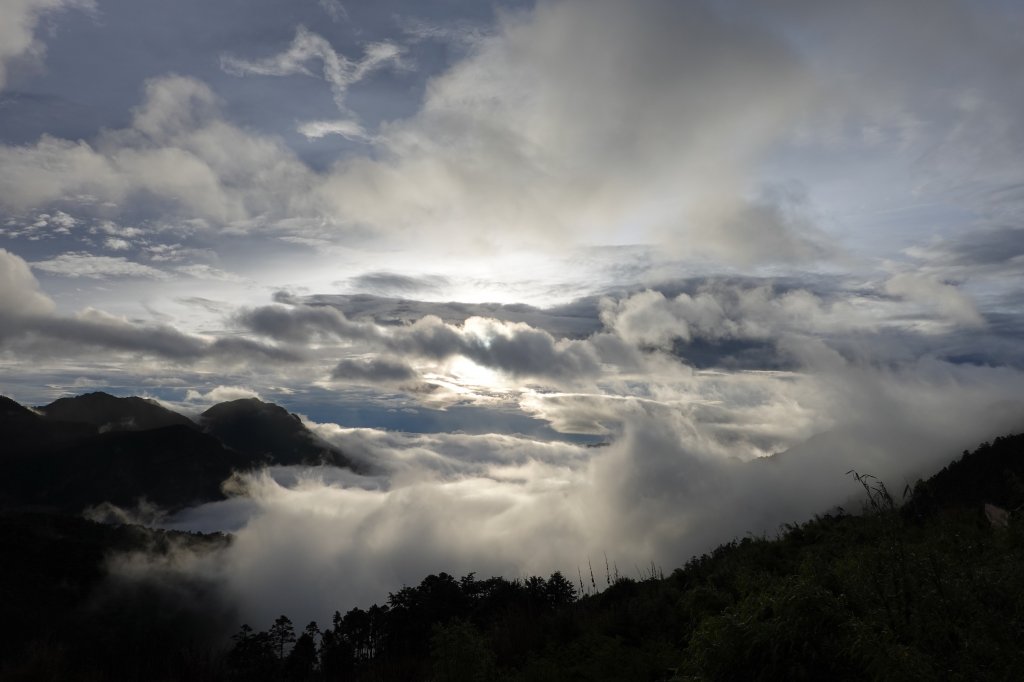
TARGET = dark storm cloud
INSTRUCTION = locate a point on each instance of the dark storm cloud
(517, 349)
(29, 322)
(732, 323)
(999, 247)
(73, 335)
(733, 354)
(576, 319)
(302, 323)
(373, 370)
(395, 283)
(514, 348)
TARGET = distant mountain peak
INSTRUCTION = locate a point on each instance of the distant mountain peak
(111, 413)
(81, 451)
(12, 409)
(242, 405)
(267, 430)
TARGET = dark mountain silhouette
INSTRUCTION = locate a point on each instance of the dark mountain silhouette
(64, 617)
(24, 431)
(992, 474)
(10, 410)
(110, 413)
(270, 433)
(172, 467)
(80, 452)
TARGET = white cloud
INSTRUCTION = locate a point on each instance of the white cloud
(335, 10)
(337, 69)
(177, 149)
(111, 228)
(671, 484)
(347, 128)
(204, 271)
(579, 120)
(220, 394)
(97, 267)
(947, 299)
(117, 244)
(19, 290)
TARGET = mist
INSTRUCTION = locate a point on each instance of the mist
(670, 485)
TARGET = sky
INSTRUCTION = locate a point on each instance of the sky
(579, 277)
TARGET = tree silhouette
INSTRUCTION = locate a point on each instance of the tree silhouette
(301, 663)
(282, 633)
(560, 590)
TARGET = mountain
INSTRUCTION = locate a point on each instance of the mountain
(83, 451)
(172, 467)
(25, 431)
(110, 413)
(992, 474)
(64, 616)
(269, 433)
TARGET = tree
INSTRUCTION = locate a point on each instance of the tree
(252, 657)
(281, 635)
(301, 663)
(560, 590)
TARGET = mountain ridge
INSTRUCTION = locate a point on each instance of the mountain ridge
(111, 413)
(81, 451)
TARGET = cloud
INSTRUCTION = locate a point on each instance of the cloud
(576, 319)
(777, 227)
(220, 394)
(947, 299)
(337, 69)
(30, 326)
(347, 128)
(45, 226)
(577, 120)
(335, 10)
(17, 33)
(392, 283)
(982, 251)
(111, 228)
(20, 294)
(720, 310)
(514, 348)
(177, 157)
(373, 370)
(460, 33)
(302, 323)
(98, 267)
(671, 483)
(117, 244)
(208, 272)
(725, 323)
